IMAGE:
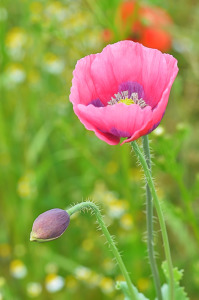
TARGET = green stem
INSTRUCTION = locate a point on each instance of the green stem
(160, 217)
(149, 216)
(95, 209)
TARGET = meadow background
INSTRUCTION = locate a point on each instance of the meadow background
(49, 160)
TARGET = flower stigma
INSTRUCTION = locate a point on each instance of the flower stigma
(123, 98)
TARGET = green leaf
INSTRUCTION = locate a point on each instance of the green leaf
(180, 294)
(177, 273)
(121, 285)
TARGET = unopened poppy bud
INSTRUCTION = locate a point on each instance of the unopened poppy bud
(50, 225)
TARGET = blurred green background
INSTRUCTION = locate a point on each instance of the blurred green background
(48, 159)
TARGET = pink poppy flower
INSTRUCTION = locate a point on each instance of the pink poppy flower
(123, 91)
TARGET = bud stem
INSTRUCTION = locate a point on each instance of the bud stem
(95, 209)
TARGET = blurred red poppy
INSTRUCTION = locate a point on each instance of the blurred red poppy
(144, 24)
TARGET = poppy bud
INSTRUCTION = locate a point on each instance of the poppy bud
(50, 225)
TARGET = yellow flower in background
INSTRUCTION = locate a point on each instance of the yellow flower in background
(26, 187)
(54, 283)
(117, 208)
(88, 276)
(18, 269)
(78, 21)
(55, 10)
(83, 273)
(107, 285)
(34, 289)
(143, 284)
(23, 188)
(101, 193)
(15, 42)
(36, 10)
(126, 221)
(94, 39)
(94, 279)
(15, 74)
(36, 7)
(16, 38)
(53, 64)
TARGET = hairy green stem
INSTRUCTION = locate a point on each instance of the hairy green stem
(160, 217)
(95, 209)
(149, 217)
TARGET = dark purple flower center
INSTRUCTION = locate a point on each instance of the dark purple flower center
(132, 87)
(129, 92)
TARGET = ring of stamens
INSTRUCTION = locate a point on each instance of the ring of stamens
(123, 98)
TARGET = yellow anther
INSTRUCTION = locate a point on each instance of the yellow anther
(126, 101)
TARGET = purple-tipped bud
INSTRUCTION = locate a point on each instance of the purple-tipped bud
(50, 225)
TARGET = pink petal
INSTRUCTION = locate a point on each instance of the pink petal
(159, 110)
(140, 132)
(129, 61)
(83, 88)
(107, 121)
(107, 137)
